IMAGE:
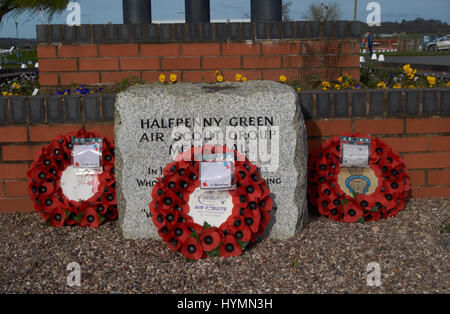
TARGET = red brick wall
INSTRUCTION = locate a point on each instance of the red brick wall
(423, 143)
(62, 65)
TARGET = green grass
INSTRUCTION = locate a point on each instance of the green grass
(26, 55)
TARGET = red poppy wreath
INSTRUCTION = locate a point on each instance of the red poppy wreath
(352, 194)
(173, 213)
(45, 188)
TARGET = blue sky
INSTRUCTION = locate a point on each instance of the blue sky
(104, 11)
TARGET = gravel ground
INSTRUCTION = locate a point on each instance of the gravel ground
(327, 257)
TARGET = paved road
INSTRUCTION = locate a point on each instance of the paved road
(425, 60)
(440, 65)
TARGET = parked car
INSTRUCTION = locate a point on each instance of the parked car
(442, 43)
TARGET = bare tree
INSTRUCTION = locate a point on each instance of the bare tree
(286, 10)
(323, 12)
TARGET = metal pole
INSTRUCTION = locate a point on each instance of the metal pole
(356, 10)
(197, 11)
(17, 42)
(266, 10)
(137, 11)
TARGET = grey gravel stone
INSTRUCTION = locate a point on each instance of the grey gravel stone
(327, 257)
(135, 156)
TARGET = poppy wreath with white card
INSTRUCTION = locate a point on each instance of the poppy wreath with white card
(53, 196)
(357, 194)
(235, 217)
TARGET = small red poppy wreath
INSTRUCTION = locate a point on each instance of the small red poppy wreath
(171, 211)
(44, 185)
(357, 194)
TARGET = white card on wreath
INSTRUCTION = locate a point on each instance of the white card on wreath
(86, 155)
(215, 175)
(355, 155)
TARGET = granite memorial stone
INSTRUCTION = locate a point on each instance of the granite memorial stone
(261, 119)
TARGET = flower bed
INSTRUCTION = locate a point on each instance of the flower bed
(24, 84)
(371, 78)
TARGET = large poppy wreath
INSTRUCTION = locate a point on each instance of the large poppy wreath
(357, 194)
(44, 185)
(171, 212)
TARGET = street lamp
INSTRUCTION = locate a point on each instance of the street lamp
(17, 42)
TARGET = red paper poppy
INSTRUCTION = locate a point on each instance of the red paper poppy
(326, 195)
(264, 221)
(90, 218)
(229, 247)
(210, 239)
(181, 231)
(44, 189)
(57, 217)
(352, 212)
(245, 233)
(366, 202)
(173, 242)
(158, 219)
(170, 205)
(192, 249)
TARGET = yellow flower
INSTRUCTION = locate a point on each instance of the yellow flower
(15, 85)
(431, 80)
(407, 67)
(448, 84)
(217, 73)
(381, 85)
(162, 78)
(337, 87)
(219, 78)
(340, 79)
(398, 85)
(299, 89)
(244, 79)
(326, 85)
(173, 78)
(282, 78)
(411, 86)
(238, 77)
(10, 94)
(5, 93)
